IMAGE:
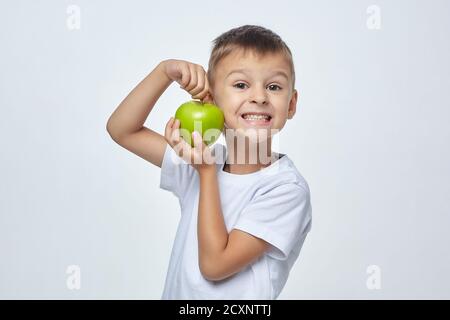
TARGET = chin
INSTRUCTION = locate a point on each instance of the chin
(257, 135)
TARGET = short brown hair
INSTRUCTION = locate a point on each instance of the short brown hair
(248, 37)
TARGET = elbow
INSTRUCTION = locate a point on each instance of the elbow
(111, 132)
(210, 275)
(205, 269)
(108, 127)
(211, 271)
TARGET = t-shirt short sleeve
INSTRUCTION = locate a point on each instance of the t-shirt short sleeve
(280, 216)
(176, 174)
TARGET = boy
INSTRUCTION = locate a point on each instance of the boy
(243, 223)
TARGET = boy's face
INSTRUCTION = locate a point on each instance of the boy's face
(248, 84)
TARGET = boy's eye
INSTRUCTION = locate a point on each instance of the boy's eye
(240, 85)
(274, 87)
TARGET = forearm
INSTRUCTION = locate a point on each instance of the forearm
(132, 112)
(212, 233)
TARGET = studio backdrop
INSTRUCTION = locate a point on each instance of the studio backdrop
(83, 218)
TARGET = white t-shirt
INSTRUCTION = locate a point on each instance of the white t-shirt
(272, 204)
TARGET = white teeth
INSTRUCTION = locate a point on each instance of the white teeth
(255, 117)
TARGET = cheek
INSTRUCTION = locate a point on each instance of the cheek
(231, 102)
(282, 102)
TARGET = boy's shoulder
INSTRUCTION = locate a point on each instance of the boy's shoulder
(284, 172)
(281, 172)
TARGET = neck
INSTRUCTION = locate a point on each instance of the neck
(245, 156)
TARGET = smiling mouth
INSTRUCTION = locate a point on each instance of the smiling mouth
(257, 120)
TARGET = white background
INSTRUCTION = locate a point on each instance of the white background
(370, 136)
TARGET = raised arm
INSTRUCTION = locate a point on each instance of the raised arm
(126, 124)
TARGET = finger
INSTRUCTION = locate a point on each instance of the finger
(208, 98)
(176, 131)
(200, 82)
(171, 122)
(184, 150)
(193, 82)
(205, 92)
(206, 83)
(168, 130)
(180, 149)
(175, 123)
(185, 75)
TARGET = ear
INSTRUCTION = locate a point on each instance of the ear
(293, 104)
(211, 96)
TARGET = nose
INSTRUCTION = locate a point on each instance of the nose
(258, 95)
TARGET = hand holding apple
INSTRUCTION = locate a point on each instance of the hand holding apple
(199, 156)
(205, 118)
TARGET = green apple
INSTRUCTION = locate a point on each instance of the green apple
(205, 118)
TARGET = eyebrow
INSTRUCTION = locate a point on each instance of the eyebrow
(244, 71)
